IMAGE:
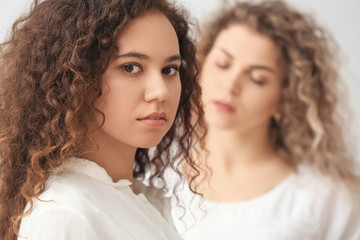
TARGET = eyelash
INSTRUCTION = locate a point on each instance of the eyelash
(222, 66)
(123, 68)
(176, 68)
(258, 82)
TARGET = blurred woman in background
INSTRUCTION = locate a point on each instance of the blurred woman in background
(278, 165)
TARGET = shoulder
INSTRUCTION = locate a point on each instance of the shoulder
(329, 202)
(322, 191)
(74, 193)
(65, 202)
(56, 222)
(68, 190)
(310, 183)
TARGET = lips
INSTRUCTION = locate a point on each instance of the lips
(224, 107)
(154, 119)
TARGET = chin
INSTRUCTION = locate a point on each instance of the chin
(148, 143)
(225, 125)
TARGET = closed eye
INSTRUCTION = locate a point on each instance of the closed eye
(257, 80)
(222, 65)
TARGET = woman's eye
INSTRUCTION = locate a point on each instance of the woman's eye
(131, 68)
(171, 71)
(257, 81)
(222, 64)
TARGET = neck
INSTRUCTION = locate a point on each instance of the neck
(242, 148)
(115, 157)
(244, 164)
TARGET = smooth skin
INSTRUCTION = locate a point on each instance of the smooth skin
(242, 80)
(141, 92)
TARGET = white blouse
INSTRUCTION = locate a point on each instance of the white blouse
(304, 206)
(83, 203)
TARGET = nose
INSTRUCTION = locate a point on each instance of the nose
(156, 88)
(232, 83)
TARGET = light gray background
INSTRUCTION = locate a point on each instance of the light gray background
(340, 17)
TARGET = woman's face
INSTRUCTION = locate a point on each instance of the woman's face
(141, 87)
(241, 80)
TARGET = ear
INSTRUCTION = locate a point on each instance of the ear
(276, 115)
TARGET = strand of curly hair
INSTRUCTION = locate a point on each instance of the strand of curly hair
(50, 80)
(310, 129)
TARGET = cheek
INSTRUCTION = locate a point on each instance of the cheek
(209, 84)
(175, 93)
(264, 102)
(120, 98)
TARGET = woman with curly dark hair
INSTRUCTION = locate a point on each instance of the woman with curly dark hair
(86, 87)
(280, 165)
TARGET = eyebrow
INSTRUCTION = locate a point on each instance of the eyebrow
(262, 67)
(143, 56)
(134, 54)
(227, 53)
(174, 58)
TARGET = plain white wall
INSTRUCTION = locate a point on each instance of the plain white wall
(341, 18)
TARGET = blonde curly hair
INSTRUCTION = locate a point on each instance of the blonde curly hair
(309, 129)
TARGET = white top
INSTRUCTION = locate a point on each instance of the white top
(304, 206)
(83, 203)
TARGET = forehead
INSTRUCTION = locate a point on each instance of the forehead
(151, 33)
(245, 43)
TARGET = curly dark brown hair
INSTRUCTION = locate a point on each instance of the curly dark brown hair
(51, 69)
(310, 129)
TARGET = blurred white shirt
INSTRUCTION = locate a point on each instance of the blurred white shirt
(306, 205)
